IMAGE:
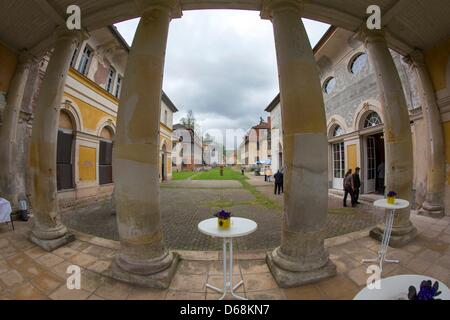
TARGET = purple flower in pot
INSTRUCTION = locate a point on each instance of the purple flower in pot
(391, 197)
(223, 219)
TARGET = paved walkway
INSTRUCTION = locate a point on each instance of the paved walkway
(192, 201)
(28, 272)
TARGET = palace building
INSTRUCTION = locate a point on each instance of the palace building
(76, 105)
(256, 147)
(87, 120)
(355, 118)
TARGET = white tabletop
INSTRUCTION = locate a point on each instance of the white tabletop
(5, 210)
(399, 204)
(395, 288)
(239, 227)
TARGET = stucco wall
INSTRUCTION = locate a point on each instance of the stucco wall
(438, 63)
(420, 151)
(351, 90)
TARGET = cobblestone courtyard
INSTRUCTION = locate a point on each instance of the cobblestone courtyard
(185, 203)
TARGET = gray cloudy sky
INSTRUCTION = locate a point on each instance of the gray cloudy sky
(222, 65)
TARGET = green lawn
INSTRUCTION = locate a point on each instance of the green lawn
(214, 174)
(183, 175)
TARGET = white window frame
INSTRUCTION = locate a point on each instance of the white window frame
(118, 86)
(88, 60)
(110, 81)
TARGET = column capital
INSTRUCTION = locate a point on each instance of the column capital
(26, 58)
(370, 36)
(270, 6)
(75, 35)
(171, 6)
(415, 59)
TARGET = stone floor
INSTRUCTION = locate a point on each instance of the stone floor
(192, 201)
(27, 272)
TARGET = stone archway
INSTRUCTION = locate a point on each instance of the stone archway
(301, 258)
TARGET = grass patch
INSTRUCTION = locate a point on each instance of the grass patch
(228, 174)
(183, 175)
(214, 174)
(260, 199)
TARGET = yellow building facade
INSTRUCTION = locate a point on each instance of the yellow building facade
(88, 117)
(8, 65)
(91, 99)
(438, 64)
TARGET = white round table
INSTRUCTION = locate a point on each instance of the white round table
(5, 212)
(239, 227)
(390, 208)
(396, 288)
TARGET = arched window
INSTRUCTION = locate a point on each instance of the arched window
(329, 85)
(107, 133)
(338, 131)
(358, 63)
(65, 156)
(105, 156)
(372, 120)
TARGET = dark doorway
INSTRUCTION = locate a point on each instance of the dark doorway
(163, 167)
(64, 174)
(375, 164)
(105, 163)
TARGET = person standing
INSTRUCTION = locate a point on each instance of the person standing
(269, 174)
(278, 182)
(356, 186)
(348, 187)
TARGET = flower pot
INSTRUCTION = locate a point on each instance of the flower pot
(391, 200)
(223, 223)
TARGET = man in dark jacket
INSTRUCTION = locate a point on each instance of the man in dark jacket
(356, 186)
(278, 182)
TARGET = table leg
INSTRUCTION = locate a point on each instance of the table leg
(224, 290)
(227, 274)
(231, 275)
(388, 238)
(385, 241)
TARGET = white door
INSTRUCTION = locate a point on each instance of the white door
(338, 166)
(371, 165)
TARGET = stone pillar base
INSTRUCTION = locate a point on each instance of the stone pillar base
(398, 239)
(433, 211)
(50, 245)
(160, 280)
(288, 279)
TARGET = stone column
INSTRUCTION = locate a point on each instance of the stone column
(397, 135)
(8, 130)
(434, 202)
(48, 232)
(301, 258)
(143, 258)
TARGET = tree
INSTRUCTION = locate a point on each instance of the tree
(189, 120)
(208, 139)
